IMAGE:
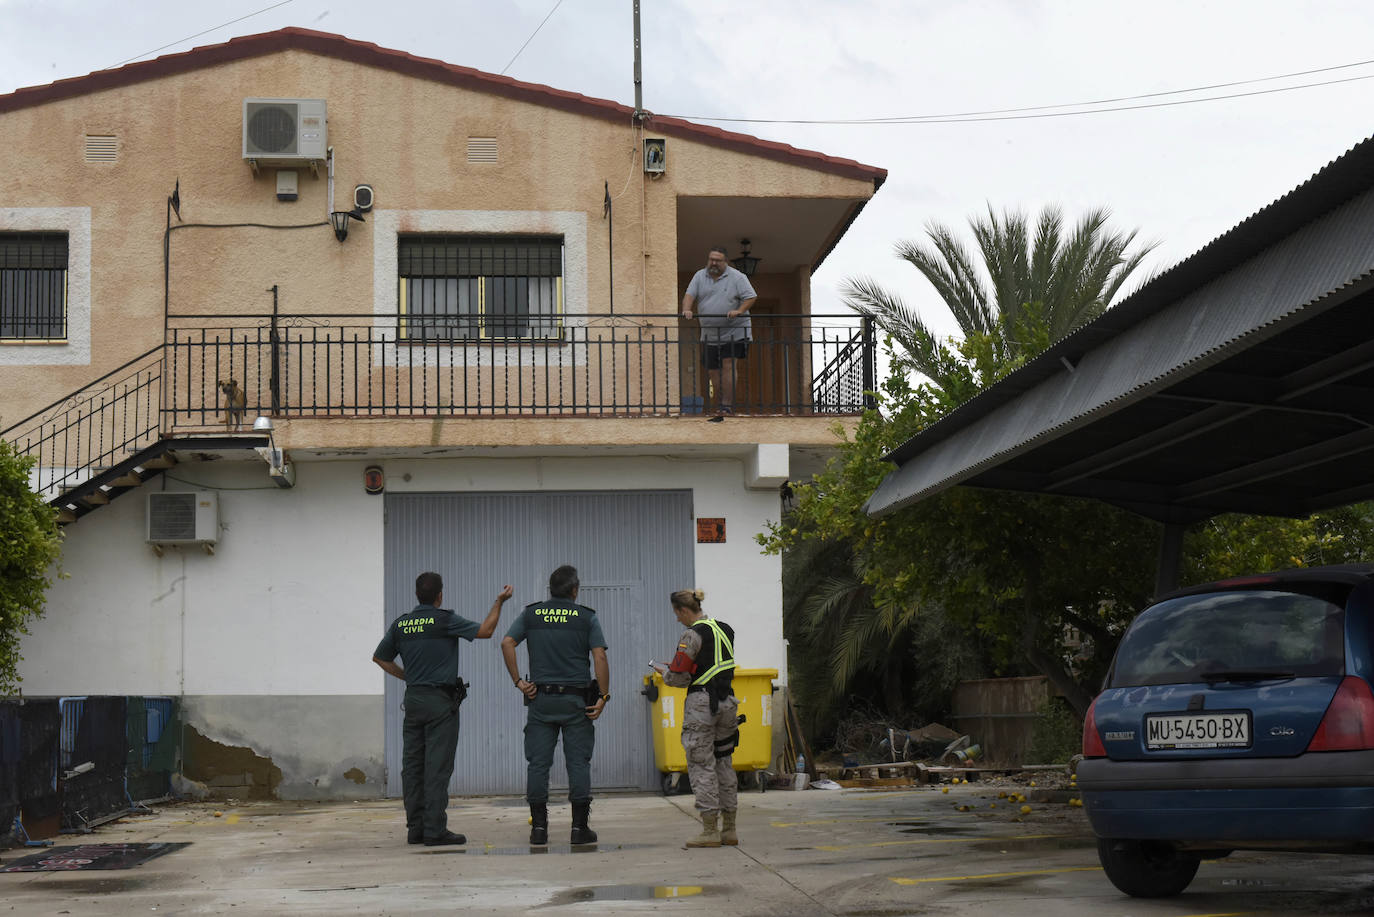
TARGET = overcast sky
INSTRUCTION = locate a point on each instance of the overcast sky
(1180, 174)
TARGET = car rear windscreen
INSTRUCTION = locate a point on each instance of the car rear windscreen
(1253, 633)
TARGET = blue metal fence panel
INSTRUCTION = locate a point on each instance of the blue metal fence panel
(70, 709)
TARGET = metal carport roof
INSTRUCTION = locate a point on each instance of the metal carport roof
(1241, 379)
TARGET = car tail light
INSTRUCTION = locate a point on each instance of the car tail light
(1349, 721)
(1092, 742)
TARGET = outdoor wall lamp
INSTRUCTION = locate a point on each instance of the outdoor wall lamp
(746, 264)
(340, 220)
(282, 473)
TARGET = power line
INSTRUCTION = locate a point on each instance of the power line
(1014, 114)
(531, 38)
(197, 35)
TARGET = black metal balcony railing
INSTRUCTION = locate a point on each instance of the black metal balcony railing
(641, 365)
(321, 366)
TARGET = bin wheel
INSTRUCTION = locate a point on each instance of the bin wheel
(762, 778)
(668, 783)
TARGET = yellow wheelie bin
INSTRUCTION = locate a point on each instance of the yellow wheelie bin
(753, 690)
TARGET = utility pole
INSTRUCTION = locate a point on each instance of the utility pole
(639, 75)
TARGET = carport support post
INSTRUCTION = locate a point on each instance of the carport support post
(1170, 558)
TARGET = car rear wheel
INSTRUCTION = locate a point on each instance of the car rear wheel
(1146, 869)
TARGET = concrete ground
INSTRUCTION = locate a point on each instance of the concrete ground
(860, 853)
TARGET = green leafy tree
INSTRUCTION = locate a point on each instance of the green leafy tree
(1044, 584)
(1234, 544)
(968, 564)
(30, 544)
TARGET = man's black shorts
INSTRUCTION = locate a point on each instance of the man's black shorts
(712, 354)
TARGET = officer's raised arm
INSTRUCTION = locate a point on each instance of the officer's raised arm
(494, 615)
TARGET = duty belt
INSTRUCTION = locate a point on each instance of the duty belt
(561, 689)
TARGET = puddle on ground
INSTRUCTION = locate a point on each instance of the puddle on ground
(630, 893)
(93, 885)
(479, 850)
(998, 882)
(1022, 844)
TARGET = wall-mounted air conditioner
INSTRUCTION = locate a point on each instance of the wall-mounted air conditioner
(284, 132)
(183, 518)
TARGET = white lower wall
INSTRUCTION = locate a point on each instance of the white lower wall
(290, 604)
(287, 603)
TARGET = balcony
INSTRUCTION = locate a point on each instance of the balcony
(319, 366)
(322, 367)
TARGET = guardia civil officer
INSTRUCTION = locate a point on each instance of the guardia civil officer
(561, 696)
(704, 664)
(426, 639)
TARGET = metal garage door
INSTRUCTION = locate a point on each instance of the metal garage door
(630, 548)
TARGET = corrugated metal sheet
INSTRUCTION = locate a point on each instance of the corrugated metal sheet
(1298, 277)
(631, 549)
(1339, 181)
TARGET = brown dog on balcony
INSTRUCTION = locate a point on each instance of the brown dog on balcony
(235, 404)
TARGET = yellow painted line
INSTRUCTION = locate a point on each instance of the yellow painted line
(939, 840)
(835, 821)
(231, 819)
(996, 875)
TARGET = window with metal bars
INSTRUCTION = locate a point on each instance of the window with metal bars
(462, 288)
(33, 286)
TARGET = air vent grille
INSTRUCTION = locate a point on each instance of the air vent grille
(102, 148)
(172, 517)
(481, 149)
(272, 129)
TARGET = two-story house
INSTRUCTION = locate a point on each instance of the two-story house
(287, 320)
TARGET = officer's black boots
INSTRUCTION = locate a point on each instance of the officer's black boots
(445, 839)
(581, 834)
(539, 825)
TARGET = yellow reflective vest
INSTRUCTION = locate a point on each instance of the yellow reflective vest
(723, 652)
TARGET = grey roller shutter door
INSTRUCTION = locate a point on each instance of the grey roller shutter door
(631, 549)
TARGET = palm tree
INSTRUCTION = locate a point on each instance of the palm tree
(1072, 278)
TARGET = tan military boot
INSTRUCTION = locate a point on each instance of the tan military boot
(728, 837)
(709, 836)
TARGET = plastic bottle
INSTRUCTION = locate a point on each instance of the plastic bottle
(801, 764)
(799, 778)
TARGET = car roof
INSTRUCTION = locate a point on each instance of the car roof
(1349, 574)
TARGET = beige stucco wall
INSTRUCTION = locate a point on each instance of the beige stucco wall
(405, 136)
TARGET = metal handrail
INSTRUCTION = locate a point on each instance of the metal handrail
(98, 425)
(324, 365)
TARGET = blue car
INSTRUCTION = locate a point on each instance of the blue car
(1236, 715)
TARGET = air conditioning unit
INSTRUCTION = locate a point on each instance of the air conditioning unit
(284, 132)
(183, 518)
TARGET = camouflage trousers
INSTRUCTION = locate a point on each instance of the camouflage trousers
(713, 779)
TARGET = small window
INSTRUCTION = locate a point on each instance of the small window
(33, 286)
(462, 288)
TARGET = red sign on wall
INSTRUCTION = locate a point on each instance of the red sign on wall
(710, 531)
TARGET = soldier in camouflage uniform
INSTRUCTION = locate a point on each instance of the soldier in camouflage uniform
(704, 663)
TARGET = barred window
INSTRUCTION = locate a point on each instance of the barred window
(33, 286)
(459, 288)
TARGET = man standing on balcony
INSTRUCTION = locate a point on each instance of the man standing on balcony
(723, 297)
(426, 639)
